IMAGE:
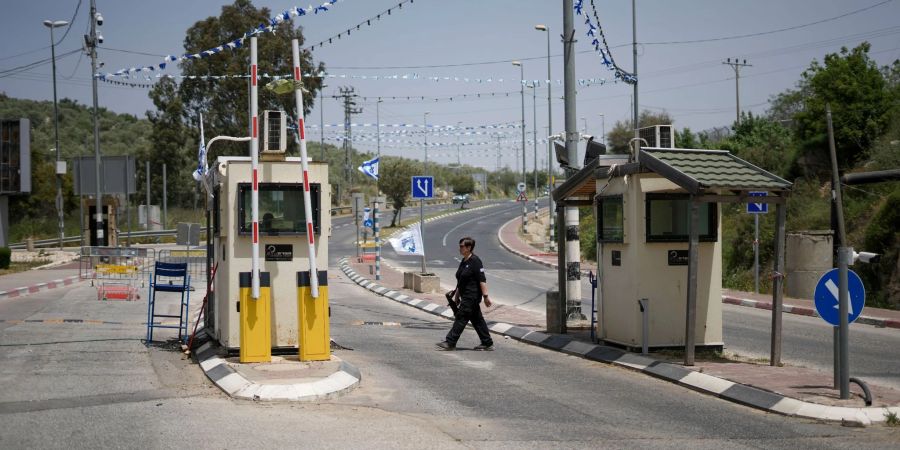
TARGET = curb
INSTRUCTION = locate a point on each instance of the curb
(707, 384)
(22, 291)
(237, 386)
(729, 299)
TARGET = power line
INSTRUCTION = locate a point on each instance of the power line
(763, 33)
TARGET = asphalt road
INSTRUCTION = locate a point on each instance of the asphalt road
(95, 385)
(807, 341)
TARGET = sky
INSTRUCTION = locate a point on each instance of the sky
(681, 49)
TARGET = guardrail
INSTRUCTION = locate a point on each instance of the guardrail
(53, 242)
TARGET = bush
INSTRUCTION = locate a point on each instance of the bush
(5, 257)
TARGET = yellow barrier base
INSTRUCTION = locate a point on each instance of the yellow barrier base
(256, 320)
(313, 318)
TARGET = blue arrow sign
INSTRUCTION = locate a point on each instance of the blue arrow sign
(422, 187)
(826, 297)
(758, 208)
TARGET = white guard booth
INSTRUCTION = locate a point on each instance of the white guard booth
(283, 240)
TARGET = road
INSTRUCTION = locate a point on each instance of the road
(94, 385)
(807, 341)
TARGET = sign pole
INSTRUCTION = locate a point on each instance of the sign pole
(422, 231)
(756, 253)
(845, 255)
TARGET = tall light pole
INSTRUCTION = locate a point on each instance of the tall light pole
(736, 65)
(422, 202)
(378, 139)
(458, 159)
(570, 272)
(51, 24)
(603, 121)
(322, 122)
(637, 133)
(522, 81)
(550, 171)
(534, 127)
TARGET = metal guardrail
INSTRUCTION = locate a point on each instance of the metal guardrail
(53, 242)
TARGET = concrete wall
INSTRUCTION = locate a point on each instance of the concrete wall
(807, 256)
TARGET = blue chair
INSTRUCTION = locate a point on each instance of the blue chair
(169, 277)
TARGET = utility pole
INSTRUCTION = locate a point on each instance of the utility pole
(524, 177)
(51, 24)
(91, 41)
(322, 123)
(571, 293)
(348, 95)
(736, 65)
(534, 127)
(637, 133)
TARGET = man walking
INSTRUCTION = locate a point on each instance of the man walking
(471, 288)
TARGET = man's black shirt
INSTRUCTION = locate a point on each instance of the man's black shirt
(469, 275)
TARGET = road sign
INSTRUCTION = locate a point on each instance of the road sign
(826, 297)
(522, 197)
(367, 218)
(520, 187)
(422, 187)
(758, 208)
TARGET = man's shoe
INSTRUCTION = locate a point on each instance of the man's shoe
(446, 346)
(484, 348)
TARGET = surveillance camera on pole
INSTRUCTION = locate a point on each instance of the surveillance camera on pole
(866, 257)
(98, 18)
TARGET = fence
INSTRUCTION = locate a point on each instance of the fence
(116, 271)
(194, 258)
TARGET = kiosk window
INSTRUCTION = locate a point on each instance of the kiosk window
(281, 210)
(668, 217)
(610, 219)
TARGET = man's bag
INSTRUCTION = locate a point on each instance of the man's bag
(452, 303)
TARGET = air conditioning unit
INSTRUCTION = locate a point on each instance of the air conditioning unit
(659, 136)
(274, 132)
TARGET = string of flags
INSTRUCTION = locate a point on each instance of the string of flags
(235, 44)
(600, 44)
(367, 22)
(418, 125)
(420, 144)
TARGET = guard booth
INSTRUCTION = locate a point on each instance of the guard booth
(283, 244)
(659, 239)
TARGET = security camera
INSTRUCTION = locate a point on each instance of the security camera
(99, 38)
(866, 257)
(98, 18)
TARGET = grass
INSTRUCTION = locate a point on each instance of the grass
(891, 419)
(15, 267)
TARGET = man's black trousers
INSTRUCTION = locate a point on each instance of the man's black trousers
(470, 311)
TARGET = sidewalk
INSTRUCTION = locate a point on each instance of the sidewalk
(793, 391)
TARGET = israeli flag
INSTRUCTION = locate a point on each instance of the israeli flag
(202, 165)
(409, 242)
(370, 168)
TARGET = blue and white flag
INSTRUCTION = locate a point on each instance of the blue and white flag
(202, 165)
(370, 168)
(409, 241)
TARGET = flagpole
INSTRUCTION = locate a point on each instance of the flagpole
(304, 163)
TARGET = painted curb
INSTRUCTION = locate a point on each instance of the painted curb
(237, 386)
(729, 299)
(53, 284)
(700, 382)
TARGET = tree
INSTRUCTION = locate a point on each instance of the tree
(861, 101)
(622, 132)
(396, 186)
(763, 142)
(224, 101)
(169, 135)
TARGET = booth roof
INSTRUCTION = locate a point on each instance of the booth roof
(699, 170)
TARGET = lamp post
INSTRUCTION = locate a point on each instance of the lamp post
(534, 144)
(51, 24)
(550, 171)
(522, 90)
(458, 160)
(422, 202)
(603, 122)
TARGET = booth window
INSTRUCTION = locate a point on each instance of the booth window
(610, 219)
(668, 216)
(281, 209)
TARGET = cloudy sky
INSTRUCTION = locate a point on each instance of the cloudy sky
(682, 45)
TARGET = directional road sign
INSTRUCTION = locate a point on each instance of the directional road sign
(758, 208)
(422, 187)
(826, 296)
(367, 218)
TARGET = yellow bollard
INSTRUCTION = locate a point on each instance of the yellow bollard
(256, 320)
(313, 319)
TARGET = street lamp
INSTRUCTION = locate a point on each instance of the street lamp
(603, 121)
(534, 144)
(51, 24)
(425, 134)
(550, 171)
(522, 82)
